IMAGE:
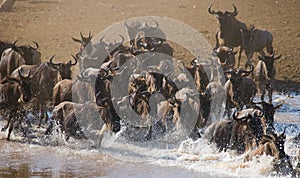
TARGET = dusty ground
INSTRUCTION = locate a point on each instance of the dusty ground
(52, 23)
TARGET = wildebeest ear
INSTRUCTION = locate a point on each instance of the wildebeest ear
(278, 106)
(234, 52)
(277, 57)
(77, 40)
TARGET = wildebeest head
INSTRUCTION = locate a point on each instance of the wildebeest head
(237, 75)
(84, 40)
(25, 87)
(19, 90)
(29, 53)
(144, 36)
(226, 57)
(111, 47)
(224, 18)
(278, 140)
(63, 68)
(268, 110)
(269, 61)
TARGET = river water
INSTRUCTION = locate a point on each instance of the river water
(40, 157)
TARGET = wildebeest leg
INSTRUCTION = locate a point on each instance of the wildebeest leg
(50, 128)
(270, 49)
(41, 109)
(101, 134)
(11, 125)
(9, 120)
(263, 92)
(148, 135)
(270, 92)
(43, 113)
(262, 53)
(249, 57)
(240, 55)
(217, 40)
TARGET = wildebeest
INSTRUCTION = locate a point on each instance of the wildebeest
(45, 76)
(220, 133)
(13, 92)
(67, 115)
(94, 54)
(30, 54)
(240, 133)
(255, 40)
(200, 72)
(240, 90)
(230, 30)
(247, 130)
(80, 90)
(268, 109)
(145, 38)
(265, 74)
(14, 57)
(84, 40)
(154, 82)
(273, 144)
(10, 60)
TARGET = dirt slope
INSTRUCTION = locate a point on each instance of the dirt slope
(52, 23)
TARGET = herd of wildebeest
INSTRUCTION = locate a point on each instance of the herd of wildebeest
(29, 85)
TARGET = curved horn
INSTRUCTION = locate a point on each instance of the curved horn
(90, 34)
(156, 24)
(50, 60)
(15, 42)
(101, 39)
(76, 59)
(19, 72)
(126, 25)
(258, 115)
(36, 44)
(234, 116)
(234, 13)
(241, 71)
(278, 106)
(82, 37)
(105, 72)
(210, 11)
(76, 40)
(122, 38)
(14, 45)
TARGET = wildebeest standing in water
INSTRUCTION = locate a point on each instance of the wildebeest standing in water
(45, 76)
(13, 92)
(265, 75)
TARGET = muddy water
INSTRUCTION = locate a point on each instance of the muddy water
(36, 156)
(27, 160)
